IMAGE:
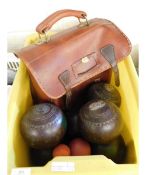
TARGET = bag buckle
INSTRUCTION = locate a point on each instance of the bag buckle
(87, 22)
(43, 38)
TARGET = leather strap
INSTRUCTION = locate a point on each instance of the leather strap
(116, 74)
(65, 80)
(47, 23)
(108, 53)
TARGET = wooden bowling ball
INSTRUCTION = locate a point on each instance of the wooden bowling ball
(115, 150)
(73, 124)
(43, 126)
(100, 121)
(104, 91)
(40, 157)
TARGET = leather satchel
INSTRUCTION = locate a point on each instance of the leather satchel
(60, 68)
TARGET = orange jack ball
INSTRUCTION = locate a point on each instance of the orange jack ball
(61, 150)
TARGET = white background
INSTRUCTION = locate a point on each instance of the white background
(24, 15)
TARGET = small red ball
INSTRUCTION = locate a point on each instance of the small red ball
(79, 147)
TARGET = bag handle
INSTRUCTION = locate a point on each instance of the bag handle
(47, 23)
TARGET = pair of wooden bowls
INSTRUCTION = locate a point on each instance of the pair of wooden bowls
(100, 121)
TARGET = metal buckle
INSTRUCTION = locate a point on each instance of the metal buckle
(87, 23)
(43, 38)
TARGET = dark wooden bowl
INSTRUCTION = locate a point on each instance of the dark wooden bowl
(73, 124)
(100, 121)
(116, 150)
(40, 157)
(104, 91)
(43, 126)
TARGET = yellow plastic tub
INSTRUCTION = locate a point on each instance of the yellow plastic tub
(20, 100)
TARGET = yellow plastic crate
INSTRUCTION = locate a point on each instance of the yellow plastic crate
(19, 102)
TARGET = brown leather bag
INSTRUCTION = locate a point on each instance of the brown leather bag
(63, 66)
